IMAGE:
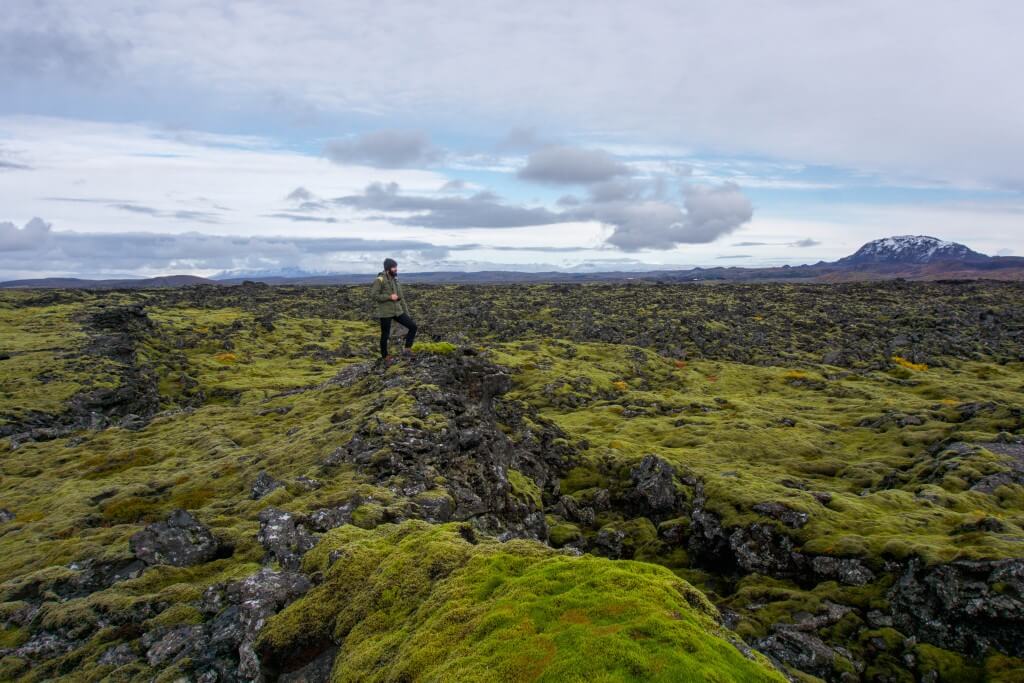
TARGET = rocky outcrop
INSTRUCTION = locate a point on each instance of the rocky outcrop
(285, 536)
(494, 480)
(805, 651)
(968, 606)
(221, 647)
(794, 519)
(238, 611)
(653, 491)
(180, 541)
(263, 484)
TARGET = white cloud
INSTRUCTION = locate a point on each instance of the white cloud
(128, 177)
(913, 86)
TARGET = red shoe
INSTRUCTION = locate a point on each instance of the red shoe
(408, 353)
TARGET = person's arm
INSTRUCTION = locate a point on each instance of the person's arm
(377, 291)
(401, 297)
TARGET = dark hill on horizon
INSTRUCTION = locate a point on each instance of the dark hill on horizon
(911, 257)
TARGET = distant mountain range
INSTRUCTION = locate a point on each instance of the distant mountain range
(912, 257)
(79, 283)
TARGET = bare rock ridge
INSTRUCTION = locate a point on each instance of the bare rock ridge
(493, 479)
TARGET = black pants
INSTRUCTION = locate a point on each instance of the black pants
(385, 332)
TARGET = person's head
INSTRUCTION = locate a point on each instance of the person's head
(391, 266)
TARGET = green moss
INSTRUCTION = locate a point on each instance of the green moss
(176, 615)
(434, 347)
(12, 636)
(1003, 669)
(561, 532)
(779, 427)
(949, 665)
(48, 362)
(368, 515)
(640, 537)
(892, 638)
(581, 478)
(418, 602)
(733, 442)
(130, 510)
(12, 667)
(525, 489)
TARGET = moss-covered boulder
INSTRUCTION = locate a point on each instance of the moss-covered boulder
(421, 602)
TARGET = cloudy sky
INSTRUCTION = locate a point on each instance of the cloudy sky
(189, 136)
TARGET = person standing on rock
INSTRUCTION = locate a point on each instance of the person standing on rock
(387, 295)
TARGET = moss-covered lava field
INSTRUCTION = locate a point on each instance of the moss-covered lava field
(593, 482)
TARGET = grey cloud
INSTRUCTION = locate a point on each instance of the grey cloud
(806, 242)
(560, 165)
(300, 194)
(638, 223)
(542, 248)
(619, 189)
(50, 251)
(302, 218)
(84, 200)
(568, 200)
(453, 185)
(483, 210)
(198, 216)
(131, 207)
(31, 236)
(305, 201)
(711, 212)
(384, 149)
(682, 170)
(641, 225)
(181, 215)
(7, 162)
(518, 247)
(34, 52)
(136, 208)
(520, 139)
(734, 256)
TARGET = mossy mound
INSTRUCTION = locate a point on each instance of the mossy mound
(421, 602)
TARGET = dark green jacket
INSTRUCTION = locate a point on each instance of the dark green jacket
(381, 291)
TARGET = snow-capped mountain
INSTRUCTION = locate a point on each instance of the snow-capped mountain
(910, 249)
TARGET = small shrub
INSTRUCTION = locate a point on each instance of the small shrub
(904, 363)
(434, 347)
